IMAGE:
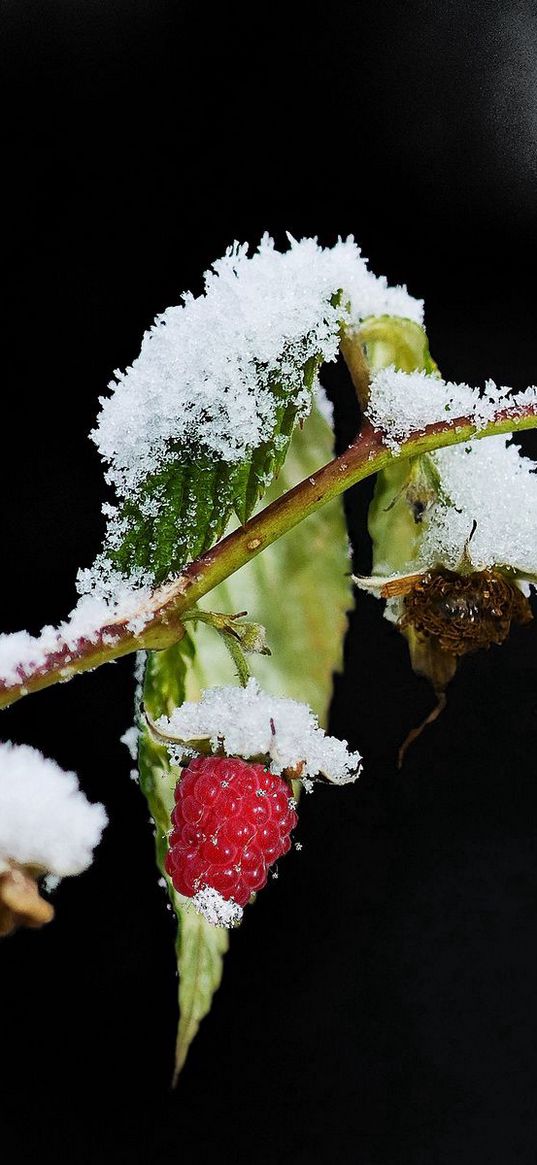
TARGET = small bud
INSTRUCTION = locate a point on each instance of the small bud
(251, 636)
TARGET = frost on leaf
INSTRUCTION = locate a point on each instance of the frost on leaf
(247, 722)
(201, 421)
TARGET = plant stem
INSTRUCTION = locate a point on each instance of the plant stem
(366, 456)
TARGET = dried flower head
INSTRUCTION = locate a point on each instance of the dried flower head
(464, 612)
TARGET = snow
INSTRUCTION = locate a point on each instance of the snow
(205, 374)
(204, 381)
(217, 910)
(105, 595)
(45, 820)
(22, 654)
(489, 483)
(485, 484)
(324, 405)
(249, 723)
(130, 740)
(402, 403)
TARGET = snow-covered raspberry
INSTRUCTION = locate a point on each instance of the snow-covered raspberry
(232, 820)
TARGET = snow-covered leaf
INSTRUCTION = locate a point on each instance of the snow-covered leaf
(185, 506)
(199, 424)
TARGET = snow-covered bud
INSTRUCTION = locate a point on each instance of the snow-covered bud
(47, 826)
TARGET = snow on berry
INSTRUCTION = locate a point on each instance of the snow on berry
(217, 910)
(250, 723)
(231, 822)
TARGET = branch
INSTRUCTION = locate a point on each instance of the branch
(57, 660)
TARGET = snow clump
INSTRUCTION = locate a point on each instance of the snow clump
(46, 822)
(247, 722)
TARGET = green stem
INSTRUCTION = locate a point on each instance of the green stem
(223, 625)
(365, 457)
(238, 657)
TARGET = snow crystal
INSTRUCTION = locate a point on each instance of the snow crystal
(103, 587)
(490, 485)
(130, 740)
(22, 654)
(402, 403)
(206, 368)
(217, 910)
(45, 819)
(247, 722)
(324, 405)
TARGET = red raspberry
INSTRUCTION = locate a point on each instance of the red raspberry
(231, 821)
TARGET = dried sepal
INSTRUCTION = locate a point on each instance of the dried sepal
(20, 901)
(446, 614)
(464, 612)
(392, 587)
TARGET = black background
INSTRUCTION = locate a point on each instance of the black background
(379, 1003)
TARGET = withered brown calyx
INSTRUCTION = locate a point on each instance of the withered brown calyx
(464, 612)
(447, 615)
(20, 901)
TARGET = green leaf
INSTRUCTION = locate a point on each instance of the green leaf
(403, 494)
(185, 507)
(300, 590)
(200, 953)
(389, 340)
(200, 948)
(404, 490)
